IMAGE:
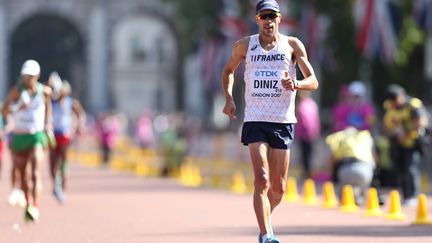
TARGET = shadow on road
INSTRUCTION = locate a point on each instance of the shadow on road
(351, 231)
(360, 231)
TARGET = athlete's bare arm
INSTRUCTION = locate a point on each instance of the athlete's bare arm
(238, 54)
(80, 115)
(300, 58)
(11, 97)
(48, 108)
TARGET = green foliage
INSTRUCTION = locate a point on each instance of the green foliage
(342, 43)
(196, 19)
(411, 37)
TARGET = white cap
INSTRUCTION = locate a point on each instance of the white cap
(55, 81)
(357, 88)
(30, 67)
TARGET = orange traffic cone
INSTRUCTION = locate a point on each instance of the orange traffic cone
(238, 183)
(196, 179)
(422, 211)
(309, 193)
(394, 211)
(348, 201)
(142, 169)
(329, 196)
(372, 204)
(291, 194)
(424, 182)
(185, 174)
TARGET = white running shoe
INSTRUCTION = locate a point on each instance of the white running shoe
(17, 198)
(13, 197)
(22, 201)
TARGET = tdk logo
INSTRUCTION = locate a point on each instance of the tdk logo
(266, 73)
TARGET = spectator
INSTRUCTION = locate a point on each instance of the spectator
(109, 126)
(144, 135)
(352, 159)
(360, 112)
(405, 121)
(307, 128)
(340, 110)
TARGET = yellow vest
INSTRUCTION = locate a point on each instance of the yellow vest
(403, 119)
(351, 142)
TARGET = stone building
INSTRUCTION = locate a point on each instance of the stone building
(116, 54)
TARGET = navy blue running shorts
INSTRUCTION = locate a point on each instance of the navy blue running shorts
(276, 135)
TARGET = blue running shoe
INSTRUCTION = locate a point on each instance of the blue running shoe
(260, 239)
(59, 195)
(274, 239)
(268, 240)
(58, 191)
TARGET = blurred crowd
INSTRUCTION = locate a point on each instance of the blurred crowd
(369, 146)
(172, 135)
(365, 145)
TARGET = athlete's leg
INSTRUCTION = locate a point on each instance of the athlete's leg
(20, 160)
(278, 167)
(36, 174)
(1, 155)
(63, 165)
(15, 174)
(54, 162)
(16, 196)
(258, 152)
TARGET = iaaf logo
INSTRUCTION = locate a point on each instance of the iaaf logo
(266, 73)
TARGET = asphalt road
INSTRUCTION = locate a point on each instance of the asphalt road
(110, 207)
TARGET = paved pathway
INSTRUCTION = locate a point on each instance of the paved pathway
(108, 207)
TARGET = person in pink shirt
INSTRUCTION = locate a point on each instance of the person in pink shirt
(109, 126)
(308, 128)
(360, 112)
(144, 135)
(340, 110)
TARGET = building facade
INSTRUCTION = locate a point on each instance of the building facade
(116, 54)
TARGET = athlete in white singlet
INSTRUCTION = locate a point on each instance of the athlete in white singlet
(266, 99)
(66, 112)
(29, 103)
(268, 130)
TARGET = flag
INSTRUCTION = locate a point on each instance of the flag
(377, 23)
(312, 30)
(422, 13)
(212, 57)
(287, 25)
(230, 21)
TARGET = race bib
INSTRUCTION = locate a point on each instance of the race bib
(266, 83)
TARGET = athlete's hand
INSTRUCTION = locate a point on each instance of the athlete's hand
(230, 109)
(49, 127)
(288, 83)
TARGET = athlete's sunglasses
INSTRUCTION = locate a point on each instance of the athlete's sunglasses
(264, 16)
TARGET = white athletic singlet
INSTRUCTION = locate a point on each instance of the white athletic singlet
(62, 115)
(31, 119)
(266, 99)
